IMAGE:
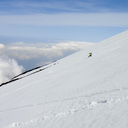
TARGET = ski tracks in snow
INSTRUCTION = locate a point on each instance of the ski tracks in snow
(69, 99)
(71, 106)
(89, 105)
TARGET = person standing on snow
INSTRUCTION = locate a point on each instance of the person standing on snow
(90, 54)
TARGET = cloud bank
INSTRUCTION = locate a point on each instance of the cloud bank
(32, 55)
(28, 51)
(8, 69)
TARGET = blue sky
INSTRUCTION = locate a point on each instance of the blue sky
(44, 20)
(59, 27)
(61, 6)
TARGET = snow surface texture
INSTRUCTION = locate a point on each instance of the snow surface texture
(74, 92)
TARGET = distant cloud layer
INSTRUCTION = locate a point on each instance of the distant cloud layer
(28, 51)
(41, 51)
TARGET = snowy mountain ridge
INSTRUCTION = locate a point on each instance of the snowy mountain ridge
(74, 92)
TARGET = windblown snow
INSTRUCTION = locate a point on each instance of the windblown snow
(74, 92)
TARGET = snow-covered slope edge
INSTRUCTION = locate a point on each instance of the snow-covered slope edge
(77, 92)
(28, 73)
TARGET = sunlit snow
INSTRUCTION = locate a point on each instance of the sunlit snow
(74, 92)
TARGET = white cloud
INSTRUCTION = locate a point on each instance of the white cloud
(1, 46)
(8, 69)
(71, 19)
(41, 52)
(28, 51)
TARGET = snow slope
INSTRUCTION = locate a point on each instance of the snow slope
(74, 92)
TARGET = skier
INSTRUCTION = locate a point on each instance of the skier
(90, 54)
